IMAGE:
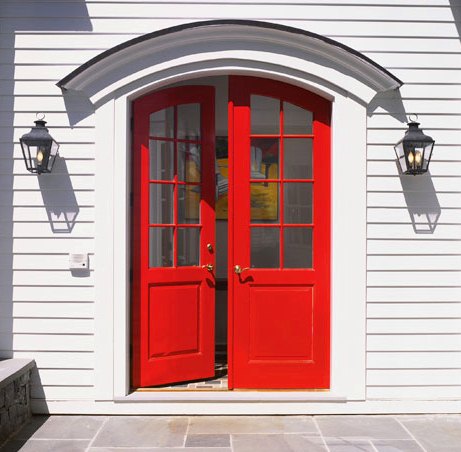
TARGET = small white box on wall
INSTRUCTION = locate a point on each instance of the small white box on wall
(78, 261)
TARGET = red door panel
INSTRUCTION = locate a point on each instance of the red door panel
(280, 210)
(173, 222)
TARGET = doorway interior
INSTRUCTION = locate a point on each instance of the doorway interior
(266, 329)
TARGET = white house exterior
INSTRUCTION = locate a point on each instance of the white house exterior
(395, 261)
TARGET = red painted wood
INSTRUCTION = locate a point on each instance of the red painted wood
(172, 307)
(279, 318)
(230, 244)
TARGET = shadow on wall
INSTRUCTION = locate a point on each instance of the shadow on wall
(390, 101)
(419, 191)
(19, 20)
(456, 10)
(421, 200)
(59, 198)
(78, 107)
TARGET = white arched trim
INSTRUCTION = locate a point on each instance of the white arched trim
(229, 46)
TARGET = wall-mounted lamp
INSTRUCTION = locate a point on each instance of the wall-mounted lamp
(39, 148)
(414, 150)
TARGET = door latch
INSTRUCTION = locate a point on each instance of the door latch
(239, 270)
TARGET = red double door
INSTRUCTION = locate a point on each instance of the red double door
(278, 187)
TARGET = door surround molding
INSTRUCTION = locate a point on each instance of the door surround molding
(112, 235)
(112, 246)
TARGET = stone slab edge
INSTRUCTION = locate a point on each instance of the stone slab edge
(13, 368)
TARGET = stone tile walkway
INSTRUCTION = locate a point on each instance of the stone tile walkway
(409, 433)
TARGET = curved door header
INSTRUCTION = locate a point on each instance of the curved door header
(232, 46)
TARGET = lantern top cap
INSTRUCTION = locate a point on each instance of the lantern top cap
(415, 134)
(40, 121)
(413, 123)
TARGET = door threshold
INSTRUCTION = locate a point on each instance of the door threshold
(142, 396)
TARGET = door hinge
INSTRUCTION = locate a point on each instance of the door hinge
(131, 275)
(131, 123)
(131, 199)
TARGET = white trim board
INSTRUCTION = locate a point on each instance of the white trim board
(247, 408)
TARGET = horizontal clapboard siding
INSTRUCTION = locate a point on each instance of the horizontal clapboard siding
(43, 219)
(414, 234)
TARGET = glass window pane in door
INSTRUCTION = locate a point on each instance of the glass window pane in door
(161, 203)
(188, 246)
(265, 115)
(189, 162)
(188, 122)
(161, 160)
(188, 204)
(160, 247)
(265, 248)
(296, 120)
(297, 200)
(161, 123)
(297, 158)
(264, 202)
(297, 248)
(264, 158)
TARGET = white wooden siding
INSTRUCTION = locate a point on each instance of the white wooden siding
(414, 280)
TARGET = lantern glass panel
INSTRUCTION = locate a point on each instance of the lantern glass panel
(401, 157)
(418, 155)
(53, 155)
(27, 155)
(42, 157)
(427, 155)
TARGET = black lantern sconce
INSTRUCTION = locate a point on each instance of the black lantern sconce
(414, 150)
(39, 148)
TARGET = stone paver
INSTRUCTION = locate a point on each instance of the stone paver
(348, 445)
(397, 445)
(40, 445)
(415, 433)
(158, 449)
(253, 424)
(437, 433)
(61, 427)
(142, 431)
(277, 443)
(208, 440)
(363, 427)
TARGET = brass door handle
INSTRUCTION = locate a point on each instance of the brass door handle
(209, 267)
(239, 270)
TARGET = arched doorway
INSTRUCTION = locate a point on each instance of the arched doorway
(182, 54)
(268, 169)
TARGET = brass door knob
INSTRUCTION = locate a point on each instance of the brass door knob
(239, 270)
(209, 267)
